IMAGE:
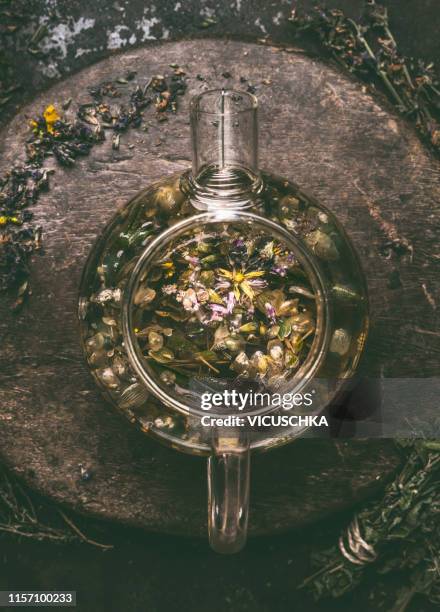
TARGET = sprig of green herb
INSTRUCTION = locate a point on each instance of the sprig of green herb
(399, 531)
(368, 49)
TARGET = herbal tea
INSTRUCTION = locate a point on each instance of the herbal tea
(224, 302)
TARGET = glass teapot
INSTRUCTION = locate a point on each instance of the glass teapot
(215, 294)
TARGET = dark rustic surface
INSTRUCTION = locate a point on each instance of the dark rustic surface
(80, 32)
(317, 128)
(152, 573)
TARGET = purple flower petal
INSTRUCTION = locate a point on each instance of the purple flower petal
(218, 308)
(222, 285)
(231, 302)
(270, 311)
(257, 283)
(281, 270)
(194, 261)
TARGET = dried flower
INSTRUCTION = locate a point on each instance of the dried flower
(368, 49)
(226, 303)
(66, 140)
(51, 117)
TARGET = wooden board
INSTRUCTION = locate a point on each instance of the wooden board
(318, 128)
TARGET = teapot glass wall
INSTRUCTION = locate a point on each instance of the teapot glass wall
(221, 275)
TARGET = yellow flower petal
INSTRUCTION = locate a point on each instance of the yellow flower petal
(226, 273)
(214, 297)
(247, 289)
(50, 115)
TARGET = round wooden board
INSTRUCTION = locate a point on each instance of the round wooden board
(318, 128)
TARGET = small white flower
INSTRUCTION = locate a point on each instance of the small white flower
(169, 289)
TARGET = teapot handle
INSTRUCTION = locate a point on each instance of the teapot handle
(228, 492)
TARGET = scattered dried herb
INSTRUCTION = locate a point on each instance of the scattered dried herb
(19, 188)
(66, 140)
(161, 91)
(63, 139)
(26, 515)
(399, 531)
(368, 49)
